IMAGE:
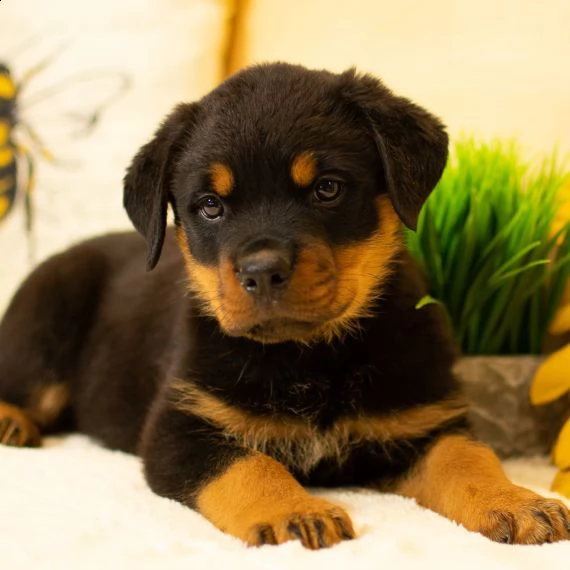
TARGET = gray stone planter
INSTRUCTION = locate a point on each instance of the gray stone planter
(498, 391)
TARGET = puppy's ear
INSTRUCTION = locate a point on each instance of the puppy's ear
(411, 142)
(148, 180)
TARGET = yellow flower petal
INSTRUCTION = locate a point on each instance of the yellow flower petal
(561, 483)
(552, 379)
(562, 447)
(561, 322)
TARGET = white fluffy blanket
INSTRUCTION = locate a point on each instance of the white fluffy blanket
(73, 505)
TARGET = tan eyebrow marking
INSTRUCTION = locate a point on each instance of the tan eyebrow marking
(222, 179)
(304, 169)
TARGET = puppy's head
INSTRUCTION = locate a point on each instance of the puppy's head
(288, 187)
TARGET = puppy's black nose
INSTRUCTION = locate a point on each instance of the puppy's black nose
(265, 272)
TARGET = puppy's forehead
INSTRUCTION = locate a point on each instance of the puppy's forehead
(277, 107)
(274, 90)
(273, 127)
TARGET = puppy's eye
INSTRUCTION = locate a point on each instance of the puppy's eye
(328, 190)
(211, 208)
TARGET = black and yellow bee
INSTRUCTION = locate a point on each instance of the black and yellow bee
(17, 160)
(9, 149)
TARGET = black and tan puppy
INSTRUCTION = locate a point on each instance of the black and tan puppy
(277, 343)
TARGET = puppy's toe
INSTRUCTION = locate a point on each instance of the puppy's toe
(16, 428)
(527, 518)
(315, 523)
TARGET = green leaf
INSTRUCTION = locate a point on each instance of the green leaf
(427, 300)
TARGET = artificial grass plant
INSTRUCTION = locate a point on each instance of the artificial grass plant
(487, 242)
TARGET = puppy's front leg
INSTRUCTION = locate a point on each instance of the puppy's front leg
(464, 481)
(242, 492)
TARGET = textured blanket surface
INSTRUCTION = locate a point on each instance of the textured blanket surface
(73, 505)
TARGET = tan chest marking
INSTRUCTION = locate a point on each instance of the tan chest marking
(300, 445)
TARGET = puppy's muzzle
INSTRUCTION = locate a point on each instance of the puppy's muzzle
(277, 289)
(265, 274)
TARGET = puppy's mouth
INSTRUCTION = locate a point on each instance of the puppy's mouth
(280, 329)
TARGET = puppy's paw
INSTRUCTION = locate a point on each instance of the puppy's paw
(519, 516)
(16, 428)
(315, 522)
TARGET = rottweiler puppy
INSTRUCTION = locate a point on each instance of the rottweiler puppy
(277, 344)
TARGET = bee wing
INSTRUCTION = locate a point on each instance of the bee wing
(76, 103)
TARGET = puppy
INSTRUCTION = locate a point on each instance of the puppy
(277, 344)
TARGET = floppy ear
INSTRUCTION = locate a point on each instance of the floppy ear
(147, 183)
(411, 142)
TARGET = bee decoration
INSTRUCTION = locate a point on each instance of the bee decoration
(8, 147)
(18, 158)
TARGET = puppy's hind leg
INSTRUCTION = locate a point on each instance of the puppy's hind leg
(31, 395)
(26, 382)
(41, 338)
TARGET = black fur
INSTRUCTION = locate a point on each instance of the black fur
(256, 122)
(93, 319)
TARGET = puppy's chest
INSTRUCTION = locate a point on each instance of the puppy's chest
(318, 396)
(299, 445)
(301, 419)
(306, 410)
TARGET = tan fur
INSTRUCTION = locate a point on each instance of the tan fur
(304, 169)
(222, 179)
(301, 445)
(331, 287)
(202, 280)
(309, 297)
(17, 428)
(47, 403)
(256, 499)
(364, 267)
(464, 481)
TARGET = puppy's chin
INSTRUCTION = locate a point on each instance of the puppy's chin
(273, 331)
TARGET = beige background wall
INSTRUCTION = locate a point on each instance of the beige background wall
(494, 67)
